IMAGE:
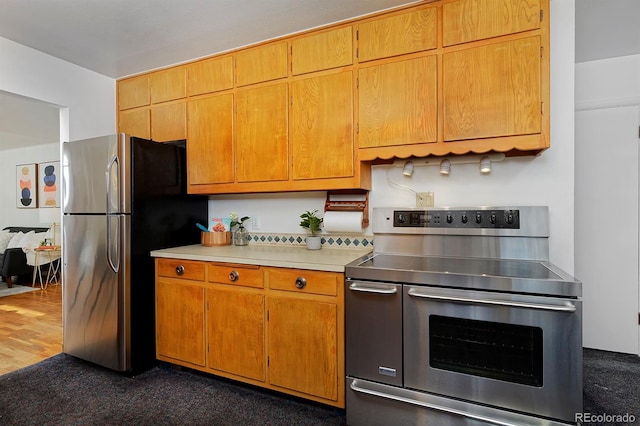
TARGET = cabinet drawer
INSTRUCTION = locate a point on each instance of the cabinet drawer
(242, 275)
(177, 268)
(304, 281)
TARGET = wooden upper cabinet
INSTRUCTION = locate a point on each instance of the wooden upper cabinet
(169, 122)
(492, 90)
(210, 75)
(469, 20)
(133, 92)
(322, 126)
(262, 63)
(135, 122)
(323, 50)
(398, 34)
(261, 132)
(210, 142)
(398, 103)
(169, 84)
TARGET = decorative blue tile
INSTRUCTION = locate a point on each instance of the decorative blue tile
(329, 240)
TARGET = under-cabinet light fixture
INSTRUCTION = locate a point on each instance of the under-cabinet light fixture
(445, 163)
(445, 167)
(407, 169)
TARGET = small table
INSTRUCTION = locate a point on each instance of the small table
(51, 254)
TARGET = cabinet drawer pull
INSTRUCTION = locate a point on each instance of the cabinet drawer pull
(301, 282)
(179, 270)
(233, 276)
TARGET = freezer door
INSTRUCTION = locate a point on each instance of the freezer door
(96, 298)
(96, 175)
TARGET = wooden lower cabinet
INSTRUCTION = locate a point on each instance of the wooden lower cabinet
(235, 332)
(303, 353)
(278, 328)
(180, 332)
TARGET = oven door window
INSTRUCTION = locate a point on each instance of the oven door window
(506, 352)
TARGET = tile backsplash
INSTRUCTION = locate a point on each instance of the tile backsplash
(328, 240)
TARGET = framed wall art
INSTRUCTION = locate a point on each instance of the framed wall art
(49, 184)
(26, 186)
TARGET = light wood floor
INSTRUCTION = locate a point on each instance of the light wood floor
(30, 327)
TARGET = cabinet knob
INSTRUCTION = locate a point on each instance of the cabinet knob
(301, 282)
(233, 276)
(179, 270)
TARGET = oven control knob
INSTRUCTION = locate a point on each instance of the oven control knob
(510, 219)
(449, 218)
(401, 218)
(464, 218)
(478, 218)
(493, 218)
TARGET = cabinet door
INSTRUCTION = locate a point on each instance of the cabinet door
(398, 103)
(322, 127)
(135, 122)
(492, 90)
(133, 92)
(180, 321)
(303, 346)
(235, 330)
(262, 140)
(168, 85)
(211, 75)
(263, 63)
(169, 122)
(397, 35)
(325, 50)
(470, 20)
(210, 140)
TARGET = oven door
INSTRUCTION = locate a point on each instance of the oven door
(517, 352)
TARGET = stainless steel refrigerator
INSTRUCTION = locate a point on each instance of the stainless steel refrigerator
(121, 198)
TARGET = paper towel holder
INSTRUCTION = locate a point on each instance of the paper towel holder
(351, 200)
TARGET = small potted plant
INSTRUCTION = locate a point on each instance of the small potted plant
(312, 223)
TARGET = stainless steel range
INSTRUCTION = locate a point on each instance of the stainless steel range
(459, 318)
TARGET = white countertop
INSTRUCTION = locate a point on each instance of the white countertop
(325, 259)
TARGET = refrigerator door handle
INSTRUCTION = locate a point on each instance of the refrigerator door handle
(109, 175)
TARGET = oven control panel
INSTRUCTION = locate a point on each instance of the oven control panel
(475, 219)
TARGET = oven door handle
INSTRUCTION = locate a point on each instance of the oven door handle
(371, 289)
(566, 307)
(356, 387)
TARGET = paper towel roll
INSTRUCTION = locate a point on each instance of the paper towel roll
(343, 221)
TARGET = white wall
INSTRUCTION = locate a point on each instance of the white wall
(10, 215)
(544, 180)
(87, 98)
(87, 109)
(608, 83)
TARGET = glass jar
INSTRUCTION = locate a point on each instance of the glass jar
(241, 237)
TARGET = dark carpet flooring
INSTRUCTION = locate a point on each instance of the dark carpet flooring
(63, 390)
